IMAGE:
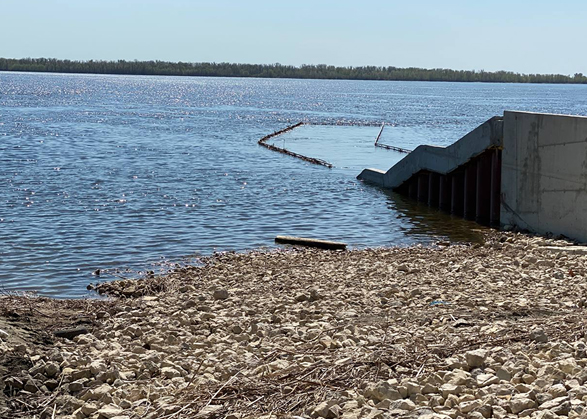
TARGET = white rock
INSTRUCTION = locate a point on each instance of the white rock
(89, 409)
(544, 414)
(109, 412)
(484, 380)
(558, 390)
(520, 404)
(406, 405)
(324, 410)
(381, 391)
(448, 389)
(476, 358)
(413, 388)
(457, 377)
(466, 407)
(97, 367)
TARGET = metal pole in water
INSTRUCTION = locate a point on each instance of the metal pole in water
(380, 131)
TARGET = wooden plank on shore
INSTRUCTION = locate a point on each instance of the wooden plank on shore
(302, 241)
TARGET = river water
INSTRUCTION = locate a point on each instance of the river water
(133, 173)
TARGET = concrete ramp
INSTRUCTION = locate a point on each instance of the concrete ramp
(462, 178)
(442, 160)
(526, 169)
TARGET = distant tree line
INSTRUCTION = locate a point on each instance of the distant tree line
(320, 71)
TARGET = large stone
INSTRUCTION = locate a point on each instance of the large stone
(545, 414)
(101, 391)
(457, 377)
(448, 389)
(52, 369)
(466, 407)
(51, 384)
(381, 391)
(558, 390)
(519, 404)
(220, 294)
(301, 297)
(406, 405)
(484, 380)
(31, 386)
(486, 410)
(503, 374)
(324, 410)
(89, 409)
(413, 388)
(81, 373)
(109, 412)
(550, 404)
(569, 366)
(76, 386)
(37, 369)
(97, 367)
(499, 412)
(476, 358)
(562, 409)
(429, 389)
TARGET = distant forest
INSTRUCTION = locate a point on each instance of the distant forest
(322, 71)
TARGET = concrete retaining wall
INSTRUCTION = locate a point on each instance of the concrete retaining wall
(544, 173)
(438, 159)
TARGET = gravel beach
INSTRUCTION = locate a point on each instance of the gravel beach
(449, 331)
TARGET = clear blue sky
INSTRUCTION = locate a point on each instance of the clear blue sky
(525, 36)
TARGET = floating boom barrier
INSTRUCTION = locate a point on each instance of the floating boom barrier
(389, 147)
(263, 142)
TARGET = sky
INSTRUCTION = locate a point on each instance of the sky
(523, 36)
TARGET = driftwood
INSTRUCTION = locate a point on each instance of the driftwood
(301, 241)
(71, 333)
(263, 142)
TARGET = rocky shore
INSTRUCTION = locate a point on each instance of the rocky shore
(450, 331)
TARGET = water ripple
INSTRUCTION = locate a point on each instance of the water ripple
(136, 173)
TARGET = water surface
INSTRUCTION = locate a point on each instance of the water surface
(103, 172)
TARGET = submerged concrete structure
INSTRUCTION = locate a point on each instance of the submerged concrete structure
(523, 169)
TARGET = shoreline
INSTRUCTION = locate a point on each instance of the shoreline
(493, 329)
(278, 71)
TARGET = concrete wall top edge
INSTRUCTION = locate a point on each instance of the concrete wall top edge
(544, 114)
